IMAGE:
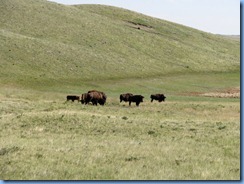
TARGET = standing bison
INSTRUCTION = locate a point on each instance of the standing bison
(159, 97)
(136, 98)
(84, 99)
(125, 97)
(72, 98)
(96, 97)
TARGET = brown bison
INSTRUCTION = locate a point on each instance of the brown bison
(73, 98)
(159, 97)
(84, 99)
(125, 97)
(136, 98)
(95, 97)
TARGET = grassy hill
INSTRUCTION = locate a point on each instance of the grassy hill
(48, 43)
(234, 37)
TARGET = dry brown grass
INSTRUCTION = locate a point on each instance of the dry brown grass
(227, 93)
(233, 92)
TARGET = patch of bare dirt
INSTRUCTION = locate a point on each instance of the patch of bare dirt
(227, 93)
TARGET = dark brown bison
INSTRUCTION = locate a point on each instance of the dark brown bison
(136, 98)
(96, 97)
(73, 98)
(84, 99)
(125, 97)
(159, 97)
(103, 94)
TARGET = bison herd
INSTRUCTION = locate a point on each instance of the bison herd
(97, 97)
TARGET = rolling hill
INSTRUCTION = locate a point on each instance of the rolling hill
(44, 43)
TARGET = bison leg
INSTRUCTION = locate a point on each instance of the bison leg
(151, 99)
(101, 102)
(95, 102)
(137, 103)
(129, 103)
(87, 101)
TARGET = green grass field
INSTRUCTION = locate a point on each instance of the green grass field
(183, 138)
(49, 51)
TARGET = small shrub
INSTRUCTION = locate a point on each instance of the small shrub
(131, 159)
(150, 132)
(221, 127)
(124, 118)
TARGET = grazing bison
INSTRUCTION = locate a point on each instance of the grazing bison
(73, 98)
(84, 98)
(103, 94)
(159, 97)
(125, 97)
(95, 97)
(136, 98)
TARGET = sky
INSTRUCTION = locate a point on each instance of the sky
(213, 16)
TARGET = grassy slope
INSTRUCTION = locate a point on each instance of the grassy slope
(47, 43)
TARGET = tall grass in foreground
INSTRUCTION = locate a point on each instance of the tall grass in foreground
(177, 140)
